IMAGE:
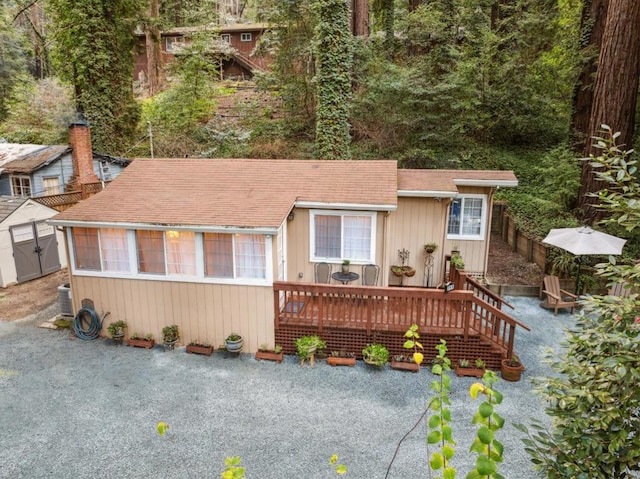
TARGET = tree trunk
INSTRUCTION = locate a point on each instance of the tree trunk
(414, 4)
(155, 78)
(594, 16)
(616, 89)
(359, 21)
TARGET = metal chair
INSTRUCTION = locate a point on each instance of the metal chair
(322, 273)
(370, 273)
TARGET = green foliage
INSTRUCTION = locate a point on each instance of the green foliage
(117, 328)
(92, 52)
(593, 399)
(376, 354)
(170, 333)
(233, 469)
(485, 445)
(39, 112)
(440, 432)
(334, 59)
(13, 56)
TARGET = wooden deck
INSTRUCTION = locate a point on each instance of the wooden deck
(357, 312)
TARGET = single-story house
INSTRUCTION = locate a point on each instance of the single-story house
(40, 170)
(201, 242)
(29, 247)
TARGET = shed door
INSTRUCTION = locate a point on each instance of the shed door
(35, 250)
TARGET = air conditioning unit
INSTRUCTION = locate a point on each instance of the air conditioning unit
(64, 300)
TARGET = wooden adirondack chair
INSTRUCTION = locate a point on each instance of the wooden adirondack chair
(556, 297)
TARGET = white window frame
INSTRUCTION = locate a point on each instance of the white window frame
(246, 37)
(199, 276)
(226, 37)
(312, 240)
(21, 179)
(50, 190)
(483, 219)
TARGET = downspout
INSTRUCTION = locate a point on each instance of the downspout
(443, 263)
(385, 266)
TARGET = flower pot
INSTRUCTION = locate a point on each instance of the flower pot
(405, 366)
(341, 361)
(233, 346)
(269, 356)
(141, 343)
(345, 269)
(199, 349)
(511, 373)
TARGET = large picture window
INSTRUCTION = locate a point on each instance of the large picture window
(156, 254)
(342, 235)
(467, 216)
(234, 255)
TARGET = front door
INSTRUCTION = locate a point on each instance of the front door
(35, 250)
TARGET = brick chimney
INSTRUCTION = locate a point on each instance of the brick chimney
(81, 154)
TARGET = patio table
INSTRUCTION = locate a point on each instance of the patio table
(345, 278)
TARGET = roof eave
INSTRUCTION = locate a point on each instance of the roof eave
(485, 183)
(346, 206)
(427, 194)
(265, 230)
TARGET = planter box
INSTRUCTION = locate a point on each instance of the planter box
(405, 366)
(198, 349)
(141, 343)
(270, 356)
(473, 372)
(338, 361)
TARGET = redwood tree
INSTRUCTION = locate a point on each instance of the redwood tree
(616, 89)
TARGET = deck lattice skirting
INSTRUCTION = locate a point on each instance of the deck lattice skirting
(349, 317)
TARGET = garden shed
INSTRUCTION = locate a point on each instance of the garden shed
(29, 246)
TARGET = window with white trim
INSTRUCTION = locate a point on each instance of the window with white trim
(234, 255)
(467, 217)
(339, 235)
(51, 185)
(21, 186)
(245, 37)
(226, 37)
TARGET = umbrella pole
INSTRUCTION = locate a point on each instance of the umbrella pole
(579, 259)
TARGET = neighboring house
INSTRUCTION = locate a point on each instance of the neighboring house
(40, 170)
(29, 247)
(200, 242)
(239, 41)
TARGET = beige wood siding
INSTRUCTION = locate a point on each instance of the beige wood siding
(298, 244)
(204, 312)
(417, 221)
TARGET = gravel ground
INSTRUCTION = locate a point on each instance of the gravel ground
(88, 409)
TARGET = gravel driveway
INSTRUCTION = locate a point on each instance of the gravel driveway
(88, 409)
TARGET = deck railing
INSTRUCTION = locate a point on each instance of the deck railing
(459, 312)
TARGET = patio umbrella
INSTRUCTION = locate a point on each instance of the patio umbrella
(584, 241)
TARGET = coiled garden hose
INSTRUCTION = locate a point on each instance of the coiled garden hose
(93, 324)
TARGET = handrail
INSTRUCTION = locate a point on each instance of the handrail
(473, 285)
(383, 308)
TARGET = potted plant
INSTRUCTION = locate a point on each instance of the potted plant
(464, 368)
(341, 358)
(457, 261)
(270, 354)
(403, 269)
(511, 368)
(345, 265)
(429, 248)
(306, 347)
(375, 354)
(137, 342)
(116, 330)
(233, 343)
(195, 347)
(170, 336)
(413, 362)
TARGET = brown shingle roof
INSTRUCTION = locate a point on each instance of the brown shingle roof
(36, 159)
(445, 181)
(233, 192)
